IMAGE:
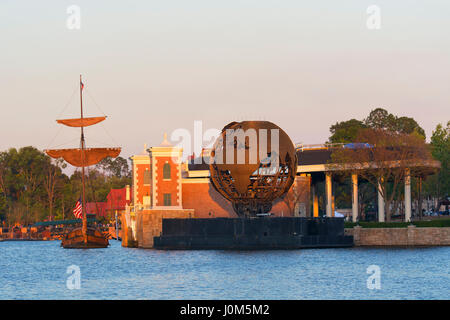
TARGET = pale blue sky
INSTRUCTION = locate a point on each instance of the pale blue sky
(155, 66)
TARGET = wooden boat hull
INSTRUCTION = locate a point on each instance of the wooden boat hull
(75, 240)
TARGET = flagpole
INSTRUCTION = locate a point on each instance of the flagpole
(83, 204)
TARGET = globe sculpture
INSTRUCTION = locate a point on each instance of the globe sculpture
(252, 164)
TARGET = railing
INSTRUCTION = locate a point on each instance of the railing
(303, 147)
(298, 147)
(328, 146)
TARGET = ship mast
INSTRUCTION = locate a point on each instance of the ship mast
(83, 157)
(83, 206)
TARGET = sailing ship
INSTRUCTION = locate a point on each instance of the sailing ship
(84, 237)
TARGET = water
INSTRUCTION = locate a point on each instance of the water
(37, 270)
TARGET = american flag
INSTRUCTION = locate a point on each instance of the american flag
(78, 211)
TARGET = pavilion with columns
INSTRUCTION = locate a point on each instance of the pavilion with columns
(314, 160)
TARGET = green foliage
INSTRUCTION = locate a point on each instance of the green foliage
(345, 131)
(441, 223)
(349, 225)
(98, 184)
(114, 167)
(382, 119)
(440, 149)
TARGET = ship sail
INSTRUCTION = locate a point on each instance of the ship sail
(91, 155)
(81, 122)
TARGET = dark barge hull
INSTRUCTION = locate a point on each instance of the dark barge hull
(252, 233)
(75, 240)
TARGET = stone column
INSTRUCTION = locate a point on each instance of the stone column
(408, 195)
(354, 197)
(333, 208)
(315, 202)
(328, 194)
(380, 205)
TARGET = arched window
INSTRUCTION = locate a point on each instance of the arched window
(166, 171)
(147, 177)
(167, 199)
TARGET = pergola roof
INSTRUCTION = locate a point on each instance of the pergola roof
(318, 160)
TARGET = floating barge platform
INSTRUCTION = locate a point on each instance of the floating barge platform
(262, 233)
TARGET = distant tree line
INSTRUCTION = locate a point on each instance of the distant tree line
(34, 187)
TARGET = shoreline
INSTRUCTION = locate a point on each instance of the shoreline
(406, 237)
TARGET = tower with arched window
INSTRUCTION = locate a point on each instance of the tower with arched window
(165, 167)
(157, 177)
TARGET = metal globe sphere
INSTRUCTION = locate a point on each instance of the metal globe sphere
(252, 164)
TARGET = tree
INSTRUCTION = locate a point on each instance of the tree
(409, 126)
(114, 167)
(3, 185)
(440, 149)
(385, 163)
(382, 119)
(379, 118)
(366, 196)
(51, 179)
(293, 198)
(31, 163)
(345, 131)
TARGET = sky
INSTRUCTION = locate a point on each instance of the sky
(157, 66)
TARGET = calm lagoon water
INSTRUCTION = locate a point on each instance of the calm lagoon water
(37, 270)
